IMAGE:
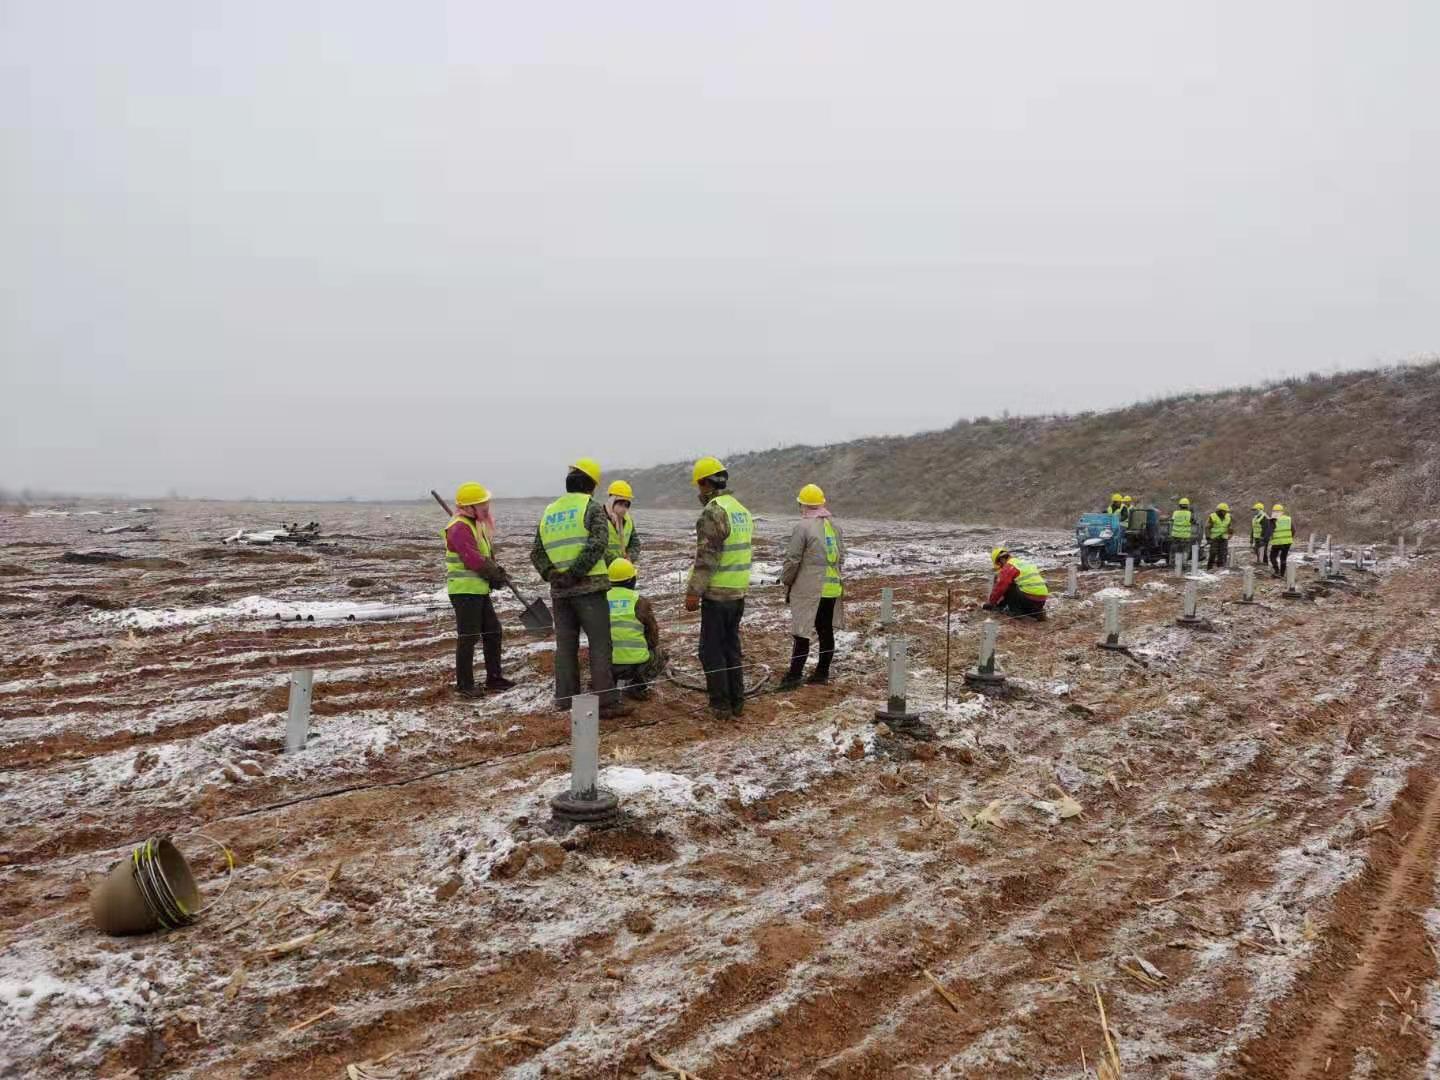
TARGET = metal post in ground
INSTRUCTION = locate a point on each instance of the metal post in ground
(1401, 546)
(1072, 582)
(297, 724)
(949, 606)
(1179, 557)
(1189, 617)
(1112, 625)
(986, 673)
(887, 609)
(1310, 545)
(1247, 588)
(895, 715)
(1292, 591)
(585, 803)
(1129, 571)
(1194, 558)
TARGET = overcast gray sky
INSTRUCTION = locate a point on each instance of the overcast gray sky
(332, 248)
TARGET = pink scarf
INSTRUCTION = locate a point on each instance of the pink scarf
(484, 521)
(616, 515)
(814, 511)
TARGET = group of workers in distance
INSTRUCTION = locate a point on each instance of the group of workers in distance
(587, 552)
(1271, 534)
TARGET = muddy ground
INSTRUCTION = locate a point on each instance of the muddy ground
(1228, 835)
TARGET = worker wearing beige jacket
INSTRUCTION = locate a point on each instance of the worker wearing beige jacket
(811, 576)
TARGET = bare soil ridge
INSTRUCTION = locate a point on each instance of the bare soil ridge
(1354, 453)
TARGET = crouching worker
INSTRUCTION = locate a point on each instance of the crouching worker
(637, 659)
(470, 571)
(1020, 588)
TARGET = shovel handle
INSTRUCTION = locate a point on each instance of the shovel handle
(443, 504)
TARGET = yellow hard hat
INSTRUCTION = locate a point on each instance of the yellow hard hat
(471, 494)
(1127, 499)
(705, 468)
(1277, 509)
(995, 555)
(621, 490)
(621, 570)
(1184, 502)
(1117, 497)
(589, 466)
(1223, 506)
(811, 495)
(1258, 506)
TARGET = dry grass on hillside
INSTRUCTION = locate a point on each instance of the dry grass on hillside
(1354, 452)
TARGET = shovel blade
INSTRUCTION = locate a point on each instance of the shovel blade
(536, 616)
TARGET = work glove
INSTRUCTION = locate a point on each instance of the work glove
(692, 602)
(987, 607)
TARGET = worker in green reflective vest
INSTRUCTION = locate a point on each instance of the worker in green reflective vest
(470, 571)
(624, 544)
(1281, 537)
(1019, 587)
(569, 553)
(718, 583)
(1182, 528)
(634, 634)
(811, 576)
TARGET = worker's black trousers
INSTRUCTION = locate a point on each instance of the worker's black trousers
(825, 630)
(720, 655)
(475, 620)
(1219, 553)
(1015, 602)
(1279, 556)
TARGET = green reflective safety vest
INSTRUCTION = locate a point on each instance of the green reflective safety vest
(1283, 533)
(832, 586)
(1257, 527)
(734, 569)
(563, 532)
(618, 546)
(1219, 526)
(460, 581)
(1030, 581)
(627, 633)
(1182, 525)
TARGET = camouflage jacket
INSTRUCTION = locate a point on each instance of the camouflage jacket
(577, 581)
(711, 531)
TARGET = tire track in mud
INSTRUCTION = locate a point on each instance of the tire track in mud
(1377, 945)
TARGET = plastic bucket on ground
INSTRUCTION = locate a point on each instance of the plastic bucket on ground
(150, 888)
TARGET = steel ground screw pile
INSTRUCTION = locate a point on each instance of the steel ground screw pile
(887, 609)
(985, 673)
(585, 803)
(1112, 625)
(297, 723)
(1189, 616)
(1247, 588)
(1401, 547)
(1129, 571)
(1179, 564)
(1292, 590)
(895, 714)
(1072, 582)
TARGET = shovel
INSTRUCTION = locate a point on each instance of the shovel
(535, 616)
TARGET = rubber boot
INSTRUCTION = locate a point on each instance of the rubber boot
(799, 653)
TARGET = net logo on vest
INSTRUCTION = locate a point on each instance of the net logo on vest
(561, 517)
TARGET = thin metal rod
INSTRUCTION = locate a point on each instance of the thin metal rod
(949, 604)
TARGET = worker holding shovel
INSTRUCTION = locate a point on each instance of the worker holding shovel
(470, 571)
